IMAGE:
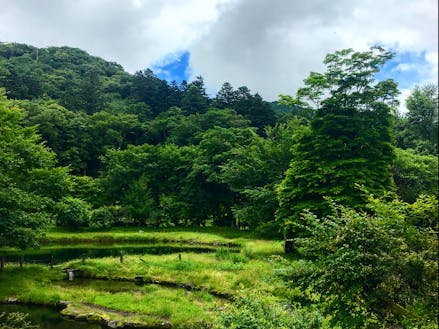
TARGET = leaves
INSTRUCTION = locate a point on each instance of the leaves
(366, 264)
(349, 140)
(29, 183)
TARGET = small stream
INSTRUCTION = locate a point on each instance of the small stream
(49, 255)
(48, 317)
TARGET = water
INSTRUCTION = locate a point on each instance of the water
(48, 318)
(47, 255)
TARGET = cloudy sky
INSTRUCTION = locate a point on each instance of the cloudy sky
(268, 45)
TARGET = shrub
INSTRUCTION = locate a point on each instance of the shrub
(102, 217)
(253, 312)
(424, 212)
(15, 320)
(373, 269)
(72, 212)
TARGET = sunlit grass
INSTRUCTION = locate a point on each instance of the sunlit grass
(147, 235)
(206, 276)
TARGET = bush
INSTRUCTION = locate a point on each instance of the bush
(15, 320)
(102, 217)
(253, 312)
(373, 269)
(424, 212)
(414, 174)
(72, 212)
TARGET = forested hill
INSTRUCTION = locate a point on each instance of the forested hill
(81, 82)
(335, 171)
(61, 73)
(100, 97)
(85, 143)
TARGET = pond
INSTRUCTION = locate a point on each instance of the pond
(54, 255)
(48, 318)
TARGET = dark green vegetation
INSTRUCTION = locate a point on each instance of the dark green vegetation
(90, 154)
(39, 317)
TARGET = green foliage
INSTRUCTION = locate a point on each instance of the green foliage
(252, 107)
(414, 174)
(424, 212)
(29, 181)
(15, 320)
(78, 139)
(102, 217)
(349, 141)
(156, 93)
(256, 312)
(253, 172)
(72, 212)
(68, 75)
(194, 98)
(375, 269)
(418, 130)
(152, 184)
(85, 188)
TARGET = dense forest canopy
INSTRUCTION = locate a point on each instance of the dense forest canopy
(138, 150)
(335, 168)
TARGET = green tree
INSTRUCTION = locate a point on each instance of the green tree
(253, 172)
(155, 93)
(194, 98)
(226, 97)
(414, 174)
(252, 107)
(72, 212)
(348, 142)
(215, 149)
(29, 181)
(419, 130)
(150, 182)
(66, 132)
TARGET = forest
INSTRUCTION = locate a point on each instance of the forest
(335, 177)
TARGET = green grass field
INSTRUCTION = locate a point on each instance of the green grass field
(206, 278)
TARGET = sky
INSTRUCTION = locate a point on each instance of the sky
(269, 46)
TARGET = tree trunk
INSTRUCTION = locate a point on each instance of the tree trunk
(289, 246)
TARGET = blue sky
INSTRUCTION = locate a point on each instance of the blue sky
(406, 68)
(173, 67)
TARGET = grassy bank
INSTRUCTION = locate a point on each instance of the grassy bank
(204, 276)
(207, 235)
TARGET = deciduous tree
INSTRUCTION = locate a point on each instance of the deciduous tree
(349, 141)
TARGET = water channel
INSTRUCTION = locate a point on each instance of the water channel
(48, 318)
(54, 255)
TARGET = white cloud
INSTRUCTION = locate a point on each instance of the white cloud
(134, 33)
(432, 60)
(405, 93)
(270, 46)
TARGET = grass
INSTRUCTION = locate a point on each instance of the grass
(220, 272)
(226, 274)
(208, 235)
